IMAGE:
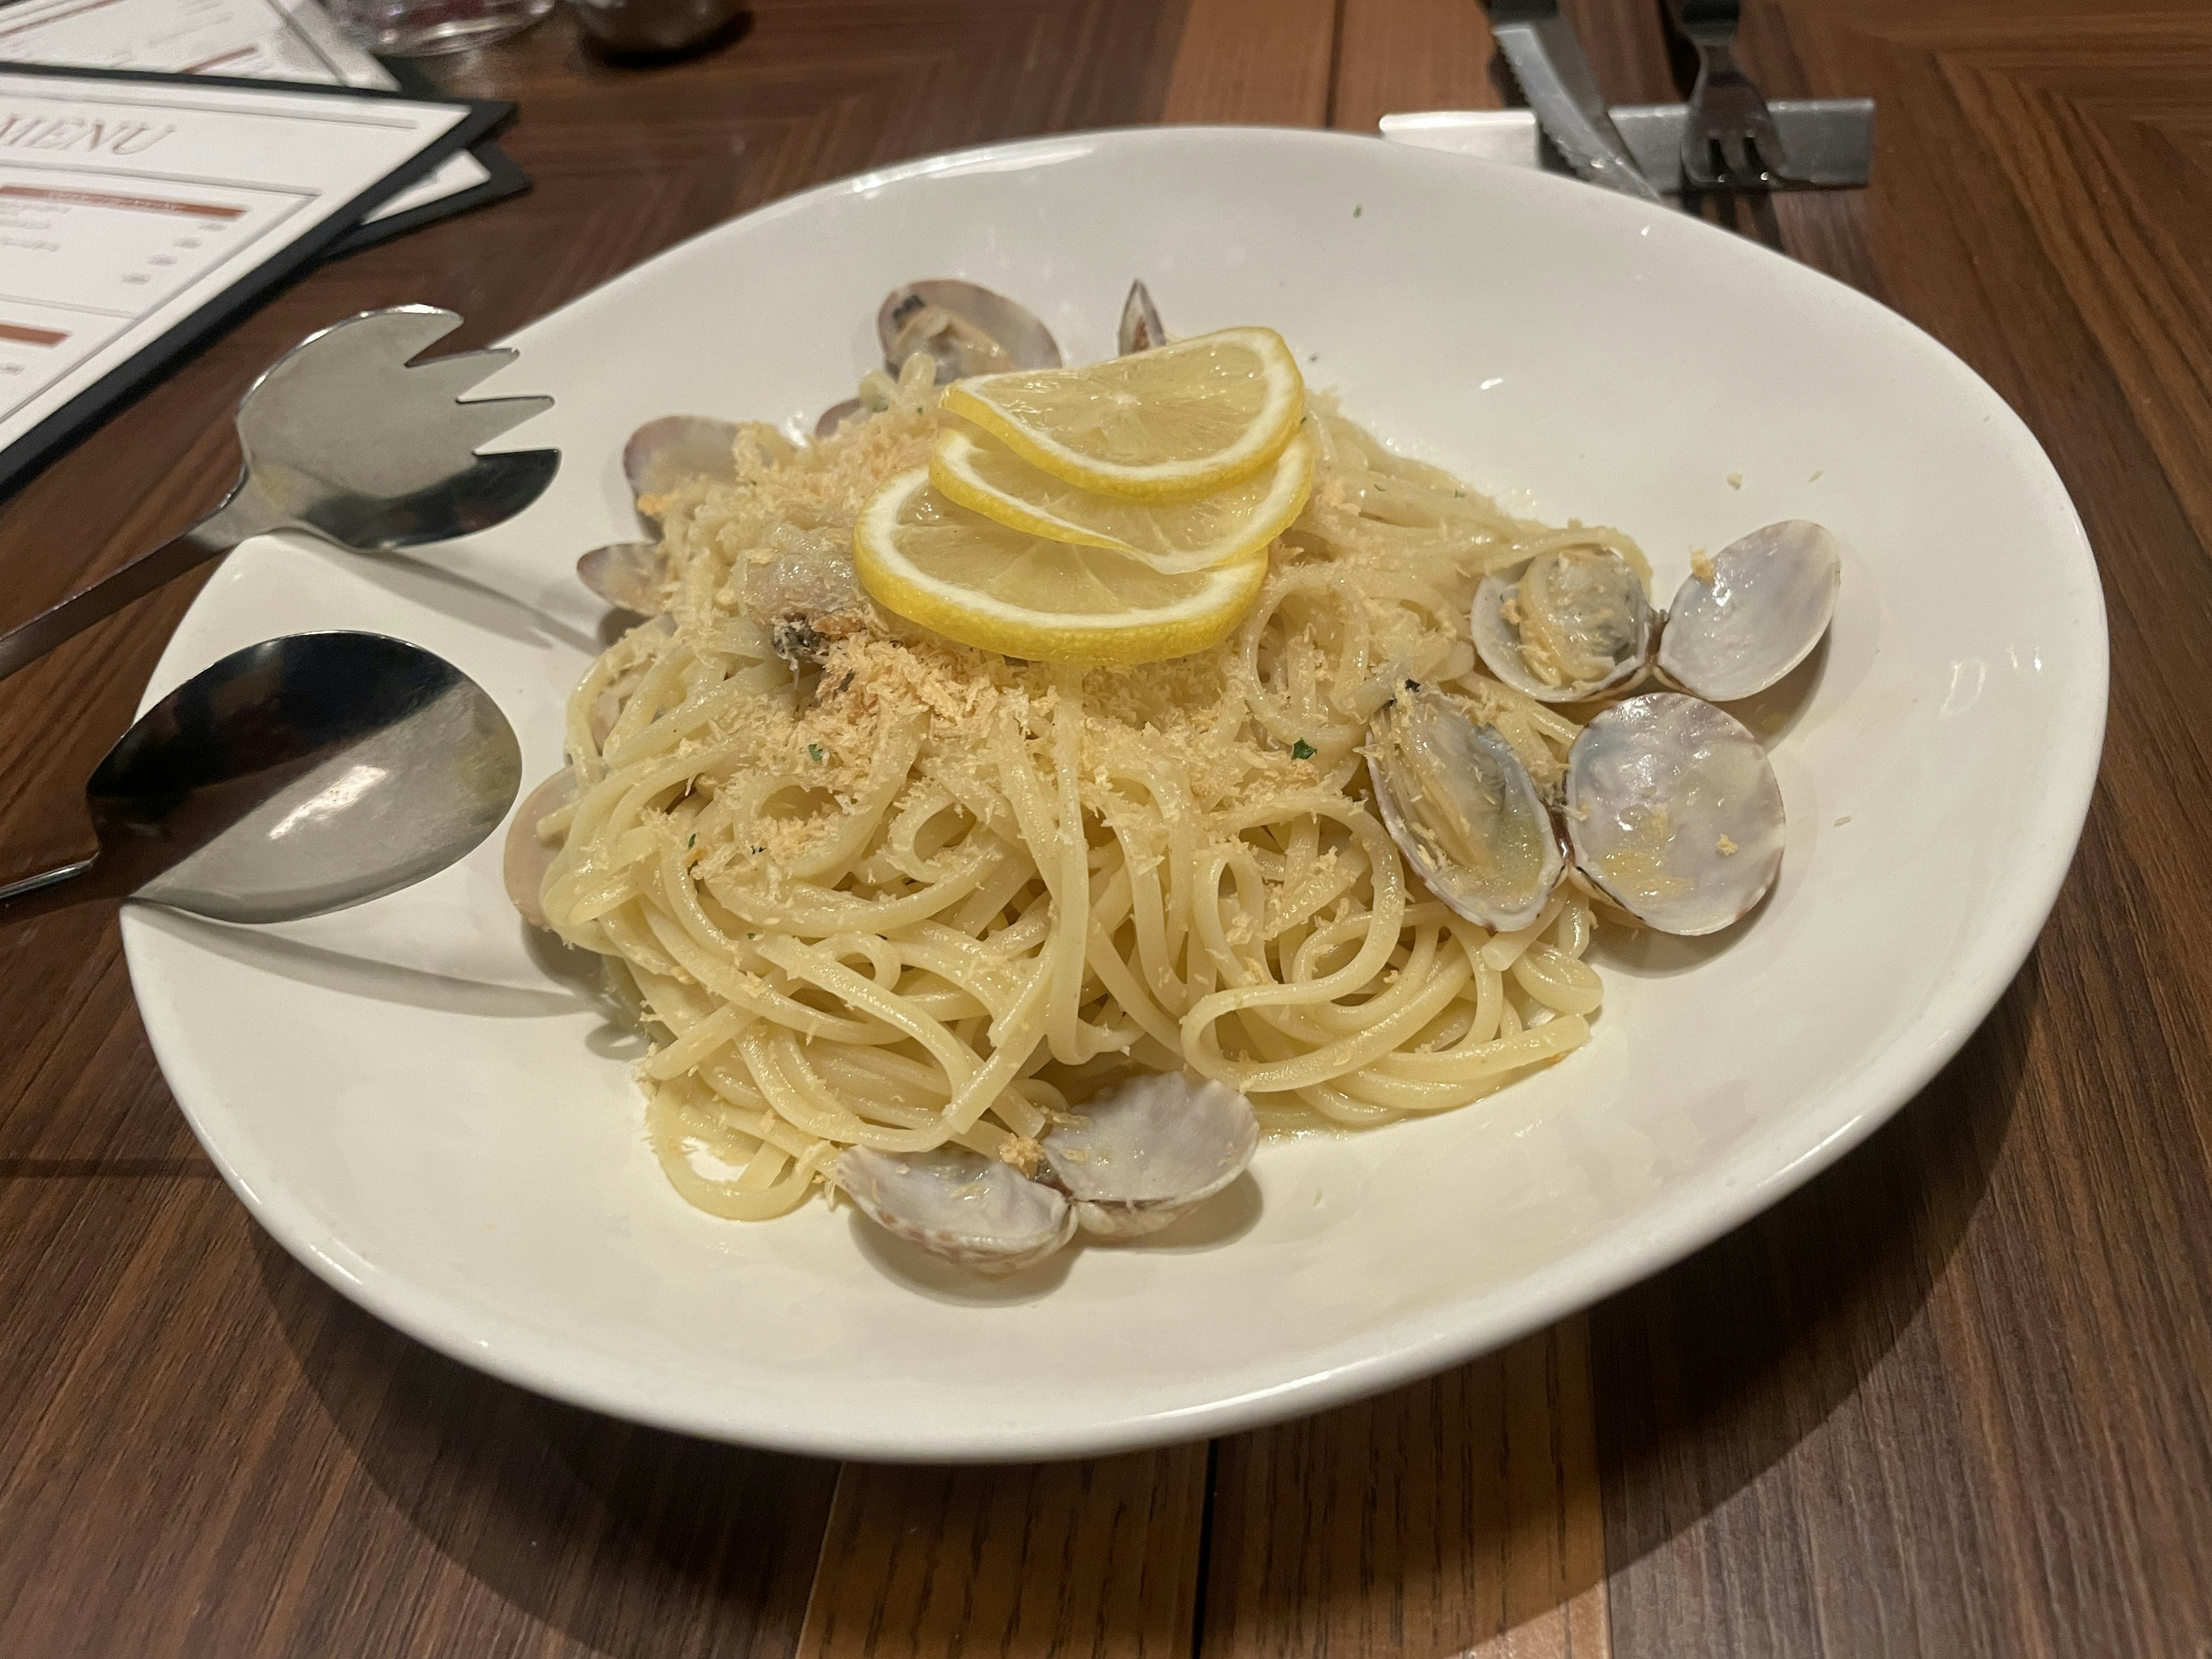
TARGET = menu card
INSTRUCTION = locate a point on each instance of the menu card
(139, 212)
(257, 39)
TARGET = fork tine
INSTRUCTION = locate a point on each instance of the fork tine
(455, 374)
(481, 420)
(1741, 160)
(1766, 152)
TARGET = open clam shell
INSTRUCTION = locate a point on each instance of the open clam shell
(1674, 811)
(1764, 604)
(965, 328)
(835, 415)
(628, 575)
(1566, 625)
(1149, 1150)
(664, 454)
(971, 1210)
(1463, 810)
(526, 858)
(1141, 329)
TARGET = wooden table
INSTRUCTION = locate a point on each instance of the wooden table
(1951, 1399)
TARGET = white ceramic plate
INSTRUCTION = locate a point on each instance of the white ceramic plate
(446, 1131)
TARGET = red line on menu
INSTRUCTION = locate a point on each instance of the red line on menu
(135, 203)
(24, 335)
(202, 67)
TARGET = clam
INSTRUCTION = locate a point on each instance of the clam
(971, 1210)
(1567, 625)
(527, 859)
(628, 575)
(966, 330)
(1674, 812)
(835, 415)
(1136, 1157)
(1148, 1151)
(1463, 810)
(1575, 623)
(1741, 622)
(663, 454)
(1141, 329)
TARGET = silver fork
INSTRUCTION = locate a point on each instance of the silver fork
(345, 437)
(1729, 138)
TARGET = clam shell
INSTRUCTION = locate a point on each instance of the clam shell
(835, 415)
(526, 858)
(667, 453)
(1141, 329)
(1149, 1150)
(1463, 810)
(969, 1209)
(1770, 599)
(1616, 621)
(965, 328)
(628, 575)
(1673, 811)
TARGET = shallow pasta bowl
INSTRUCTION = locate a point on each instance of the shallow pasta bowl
(436, 1116)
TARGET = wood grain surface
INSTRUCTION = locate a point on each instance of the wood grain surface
(1954, 1398)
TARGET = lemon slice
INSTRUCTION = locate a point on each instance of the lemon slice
(985, 584)
(981, 474)
(1158, 426)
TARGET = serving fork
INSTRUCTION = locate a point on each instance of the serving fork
(347, 438)
(1729, 138)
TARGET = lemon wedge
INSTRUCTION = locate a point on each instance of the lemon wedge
(986, 584)
(981, 474)
(1165, 425)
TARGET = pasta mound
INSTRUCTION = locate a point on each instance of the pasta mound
(871, 887)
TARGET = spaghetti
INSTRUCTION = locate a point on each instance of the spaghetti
(909, 894)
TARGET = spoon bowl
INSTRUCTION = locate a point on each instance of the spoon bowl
(306, 774)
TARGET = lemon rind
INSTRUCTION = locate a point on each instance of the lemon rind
(1170, 481)
(992, 624)
(1275, 514)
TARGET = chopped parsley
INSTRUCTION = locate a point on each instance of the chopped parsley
(1357, 211)
(817, 753)
(693, 841)
(1302, 750)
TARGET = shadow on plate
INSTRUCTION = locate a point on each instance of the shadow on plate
(1771, 713)
(365, 976)
(1222, 1220)
(584, 973)
(1648, 953)
(448, 592)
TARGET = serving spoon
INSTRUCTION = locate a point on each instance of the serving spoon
(305, 773)
(344, 437)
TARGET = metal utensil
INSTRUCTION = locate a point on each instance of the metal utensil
(1545, 56)
(1729, 141)
(344, 437)
(1830, 140)
(302, 774)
